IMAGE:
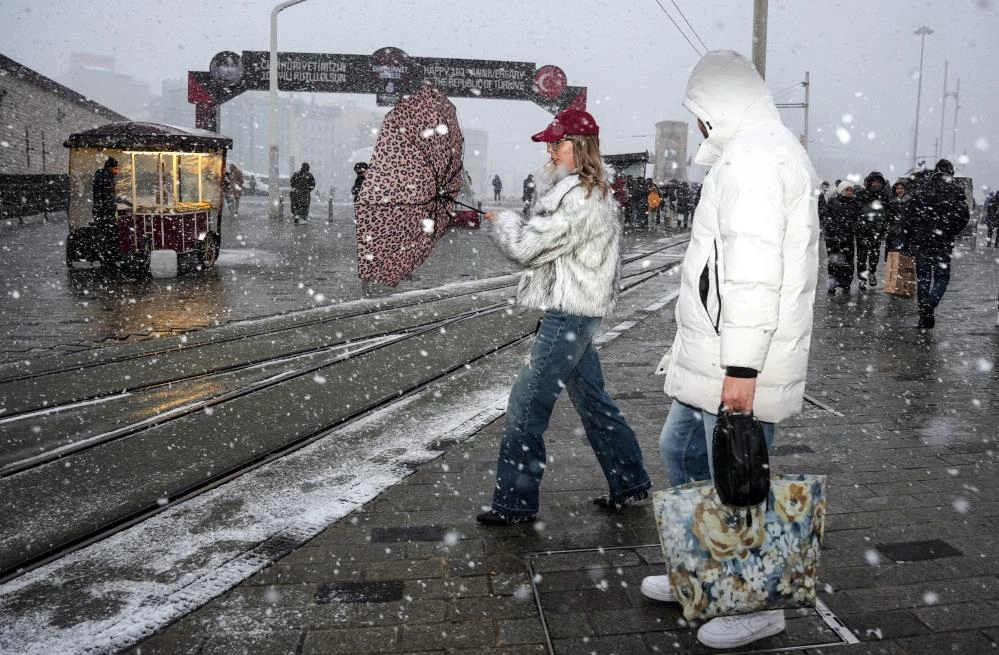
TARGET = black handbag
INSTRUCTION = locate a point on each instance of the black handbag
(741, 461)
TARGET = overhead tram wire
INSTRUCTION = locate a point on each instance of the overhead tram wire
(682, 33)
(680, 11)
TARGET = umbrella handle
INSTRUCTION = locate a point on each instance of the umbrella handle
(450, 199)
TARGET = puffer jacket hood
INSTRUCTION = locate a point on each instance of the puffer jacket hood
(727, 94)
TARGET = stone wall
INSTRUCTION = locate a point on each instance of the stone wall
(36, 116)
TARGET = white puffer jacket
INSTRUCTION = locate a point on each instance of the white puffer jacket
(570, 249)
(749, 274)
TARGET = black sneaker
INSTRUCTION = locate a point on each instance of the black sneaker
(617, 504)
(492, 517)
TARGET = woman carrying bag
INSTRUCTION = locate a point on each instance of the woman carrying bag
(570, 250)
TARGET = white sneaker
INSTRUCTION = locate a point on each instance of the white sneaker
(657, 587)
(735, 631)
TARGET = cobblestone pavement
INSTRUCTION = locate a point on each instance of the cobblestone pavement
(910, 560)
(266, 267)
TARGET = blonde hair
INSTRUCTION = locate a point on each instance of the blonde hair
(589, 165)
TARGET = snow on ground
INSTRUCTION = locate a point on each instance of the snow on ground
(166, 567)
(113, 594)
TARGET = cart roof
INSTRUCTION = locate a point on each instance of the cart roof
(129, 135)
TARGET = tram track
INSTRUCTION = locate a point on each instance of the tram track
(77, 362)
(114, 452)
(62, 419)
(72, 384)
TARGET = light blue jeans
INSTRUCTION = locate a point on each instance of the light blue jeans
(685, 443)
(563, 357)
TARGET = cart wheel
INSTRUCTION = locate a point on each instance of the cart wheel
(208, 251)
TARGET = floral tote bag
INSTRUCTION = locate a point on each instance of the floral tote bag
(719, 563)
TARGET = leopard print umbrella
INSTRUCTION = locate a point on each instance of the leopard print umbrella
(406, 200)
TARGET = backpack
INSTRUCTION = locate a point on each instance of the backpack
(654, 200)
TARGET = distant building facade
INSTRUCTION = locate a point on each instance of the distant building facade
(671, 152)
(477, 161)
(96, 75)
(38, 114)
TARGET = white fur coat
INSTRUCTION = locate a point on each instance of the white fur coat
(570, 250)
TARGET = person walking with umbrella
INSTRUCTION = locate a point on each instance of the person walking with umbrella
(570, 251)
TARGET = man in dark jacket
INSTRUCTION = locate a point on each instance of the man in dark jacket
(992, 220)
(871, 228)
(839, 227)
(940, 213)
(497, 188)
(302, 184)
(105, 212)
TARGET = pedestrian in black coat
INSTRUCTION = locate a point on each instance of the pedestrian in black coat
(839, 228)
(992, 220)
(302, 184)
(874, 198)
(823, 199)
(898, 217)
(360, 169)
(941, 212)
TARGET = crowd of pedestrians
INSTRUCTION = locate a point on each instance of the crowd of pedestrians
(920, 216)
(643, 203)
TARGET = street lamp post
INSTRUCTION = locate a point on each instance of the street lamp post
(274, 175)
(922, 32)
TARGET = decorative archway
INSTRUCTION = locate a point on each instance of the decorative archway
(389, 73)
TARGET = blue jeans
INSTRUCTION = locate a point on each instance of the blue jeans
(563, 356)
(932, 278)
(685, 443)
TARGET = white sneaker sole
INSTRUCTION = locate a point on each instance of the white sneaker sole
(771, 630)
(655, 593)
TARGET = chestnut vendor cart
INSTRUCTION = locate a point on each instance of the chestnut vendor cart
(168, 192)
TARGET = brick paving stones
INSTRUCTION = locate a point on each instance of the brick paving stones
(912, 458)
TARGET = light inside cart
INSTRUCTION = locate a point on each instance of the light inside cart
(172, 181)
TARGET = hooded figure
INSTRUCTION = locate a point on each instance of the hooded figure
(874, 199)
(744, 313)
(750, 270)
(940, 213)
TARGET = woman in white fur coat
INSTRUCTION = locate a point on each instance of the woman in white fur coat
(570, 251)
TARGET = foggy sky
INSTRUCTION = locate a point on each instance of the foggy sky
(862, 55)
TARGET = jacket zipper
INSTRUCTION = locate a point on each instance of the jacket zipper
(717, 291)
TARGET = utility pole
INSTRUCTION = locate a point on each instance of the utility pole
(800, 105)
(921, 32)
(273, 169)
(957, 106)
(808, 87)
(760, 8)
(943, 112)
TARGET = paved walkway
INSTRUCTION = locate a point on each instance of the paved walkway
(910, 455)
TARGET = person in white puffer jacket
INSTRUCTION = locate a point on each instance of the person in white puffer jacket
(571, 254)
(744, 313)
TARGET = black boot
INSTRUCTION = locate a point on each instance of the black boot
(492, 517)
(617, 504)
(926, 318)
